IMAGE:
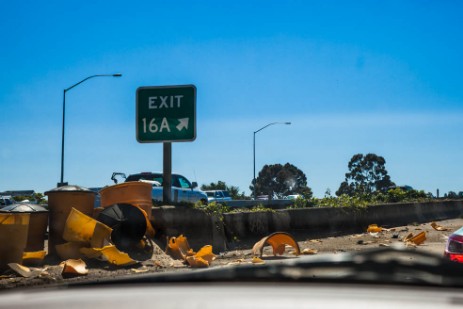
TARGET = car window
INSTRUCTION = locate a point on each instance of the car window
(182, 182)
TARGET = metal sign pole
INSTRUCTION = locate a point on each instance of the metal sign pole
(167, 173)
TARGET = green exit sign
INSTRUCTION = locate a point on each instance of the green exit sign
(166, 114)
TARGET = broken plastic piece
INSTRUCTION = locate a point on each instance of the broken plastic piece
(74, 267)
(278, 241)
(196, 262)
(438, 227)
(24, 271)
(82, 228)
(415, 240)
(206, 254)
(109, 253)
(373, 228)
(178, 247)
(257, 260)
(203, 258)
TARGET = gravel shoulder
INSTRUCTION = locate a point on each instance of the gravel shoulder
(50, 273)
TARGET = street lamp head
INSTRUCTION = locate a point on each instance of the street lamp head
(117, 75)
(287, 122)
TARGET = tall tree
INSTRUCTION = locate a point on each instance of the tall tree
(280, 180)
(367, 174)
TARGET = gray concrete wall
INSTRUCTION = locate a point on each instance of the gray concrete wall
(247, 227)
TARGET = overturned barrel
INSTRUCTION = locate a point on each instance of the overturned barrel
(60, 202)
(127, 222)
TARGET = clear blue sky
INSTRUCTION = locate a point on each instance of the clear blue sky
(352, 77)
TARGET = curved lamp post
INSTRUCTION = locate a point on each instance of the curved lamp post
(254, 144)
(61, 183)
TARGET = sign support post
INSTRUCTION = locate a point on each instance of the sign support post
(167, 173)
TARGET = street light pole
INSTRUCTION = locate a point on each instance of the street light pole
(62, 183)
(254, 151)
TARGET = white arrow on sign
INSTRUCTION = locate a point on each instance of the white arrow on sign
(183, 124)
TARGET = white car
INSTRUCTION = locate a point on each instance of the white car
(182, 189)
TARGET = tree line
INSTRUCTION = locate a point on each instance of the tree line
(367, 178)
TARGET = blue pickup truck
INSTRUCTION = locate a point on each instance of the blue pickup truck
(182, 189)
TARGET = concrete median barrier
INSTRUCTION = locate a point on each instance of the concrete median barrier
(222, 233)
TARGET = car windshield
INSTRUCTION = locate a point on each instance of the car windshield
(296, 133)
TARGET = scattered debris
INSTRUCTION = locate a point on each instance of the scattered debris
(257, 260)
(110, 254)
(373, 228)
(415, 240)
(178, 248)
(308, 251)
(73, 267)
(438, 227)
(24, 271)
(278, 241)
(89, 238)
(143, 269)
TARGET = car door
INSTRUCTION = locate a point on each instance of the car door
(183, 187)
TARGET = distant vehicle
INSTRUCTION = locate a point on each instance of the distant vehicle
(6, 200)
(218, 196)
(182, 189)
(293, 196)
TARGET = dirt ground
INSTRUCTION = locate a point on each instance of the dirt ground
(159, 261)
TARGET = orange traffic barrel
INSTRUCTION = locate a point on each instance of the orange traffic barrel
(60, 202)
(38, 223)
(13, 237)
(136, 193)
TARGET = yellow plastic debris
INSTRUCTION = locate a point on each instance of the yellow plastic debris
(82, 228)
(109, 253)
(206, 254)
(415, 239)
(178, 247)
(278, 241)
(203, 258)
(74, 267)
(257, 260)
(196, 262)
(438, 227)
(373, 228)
